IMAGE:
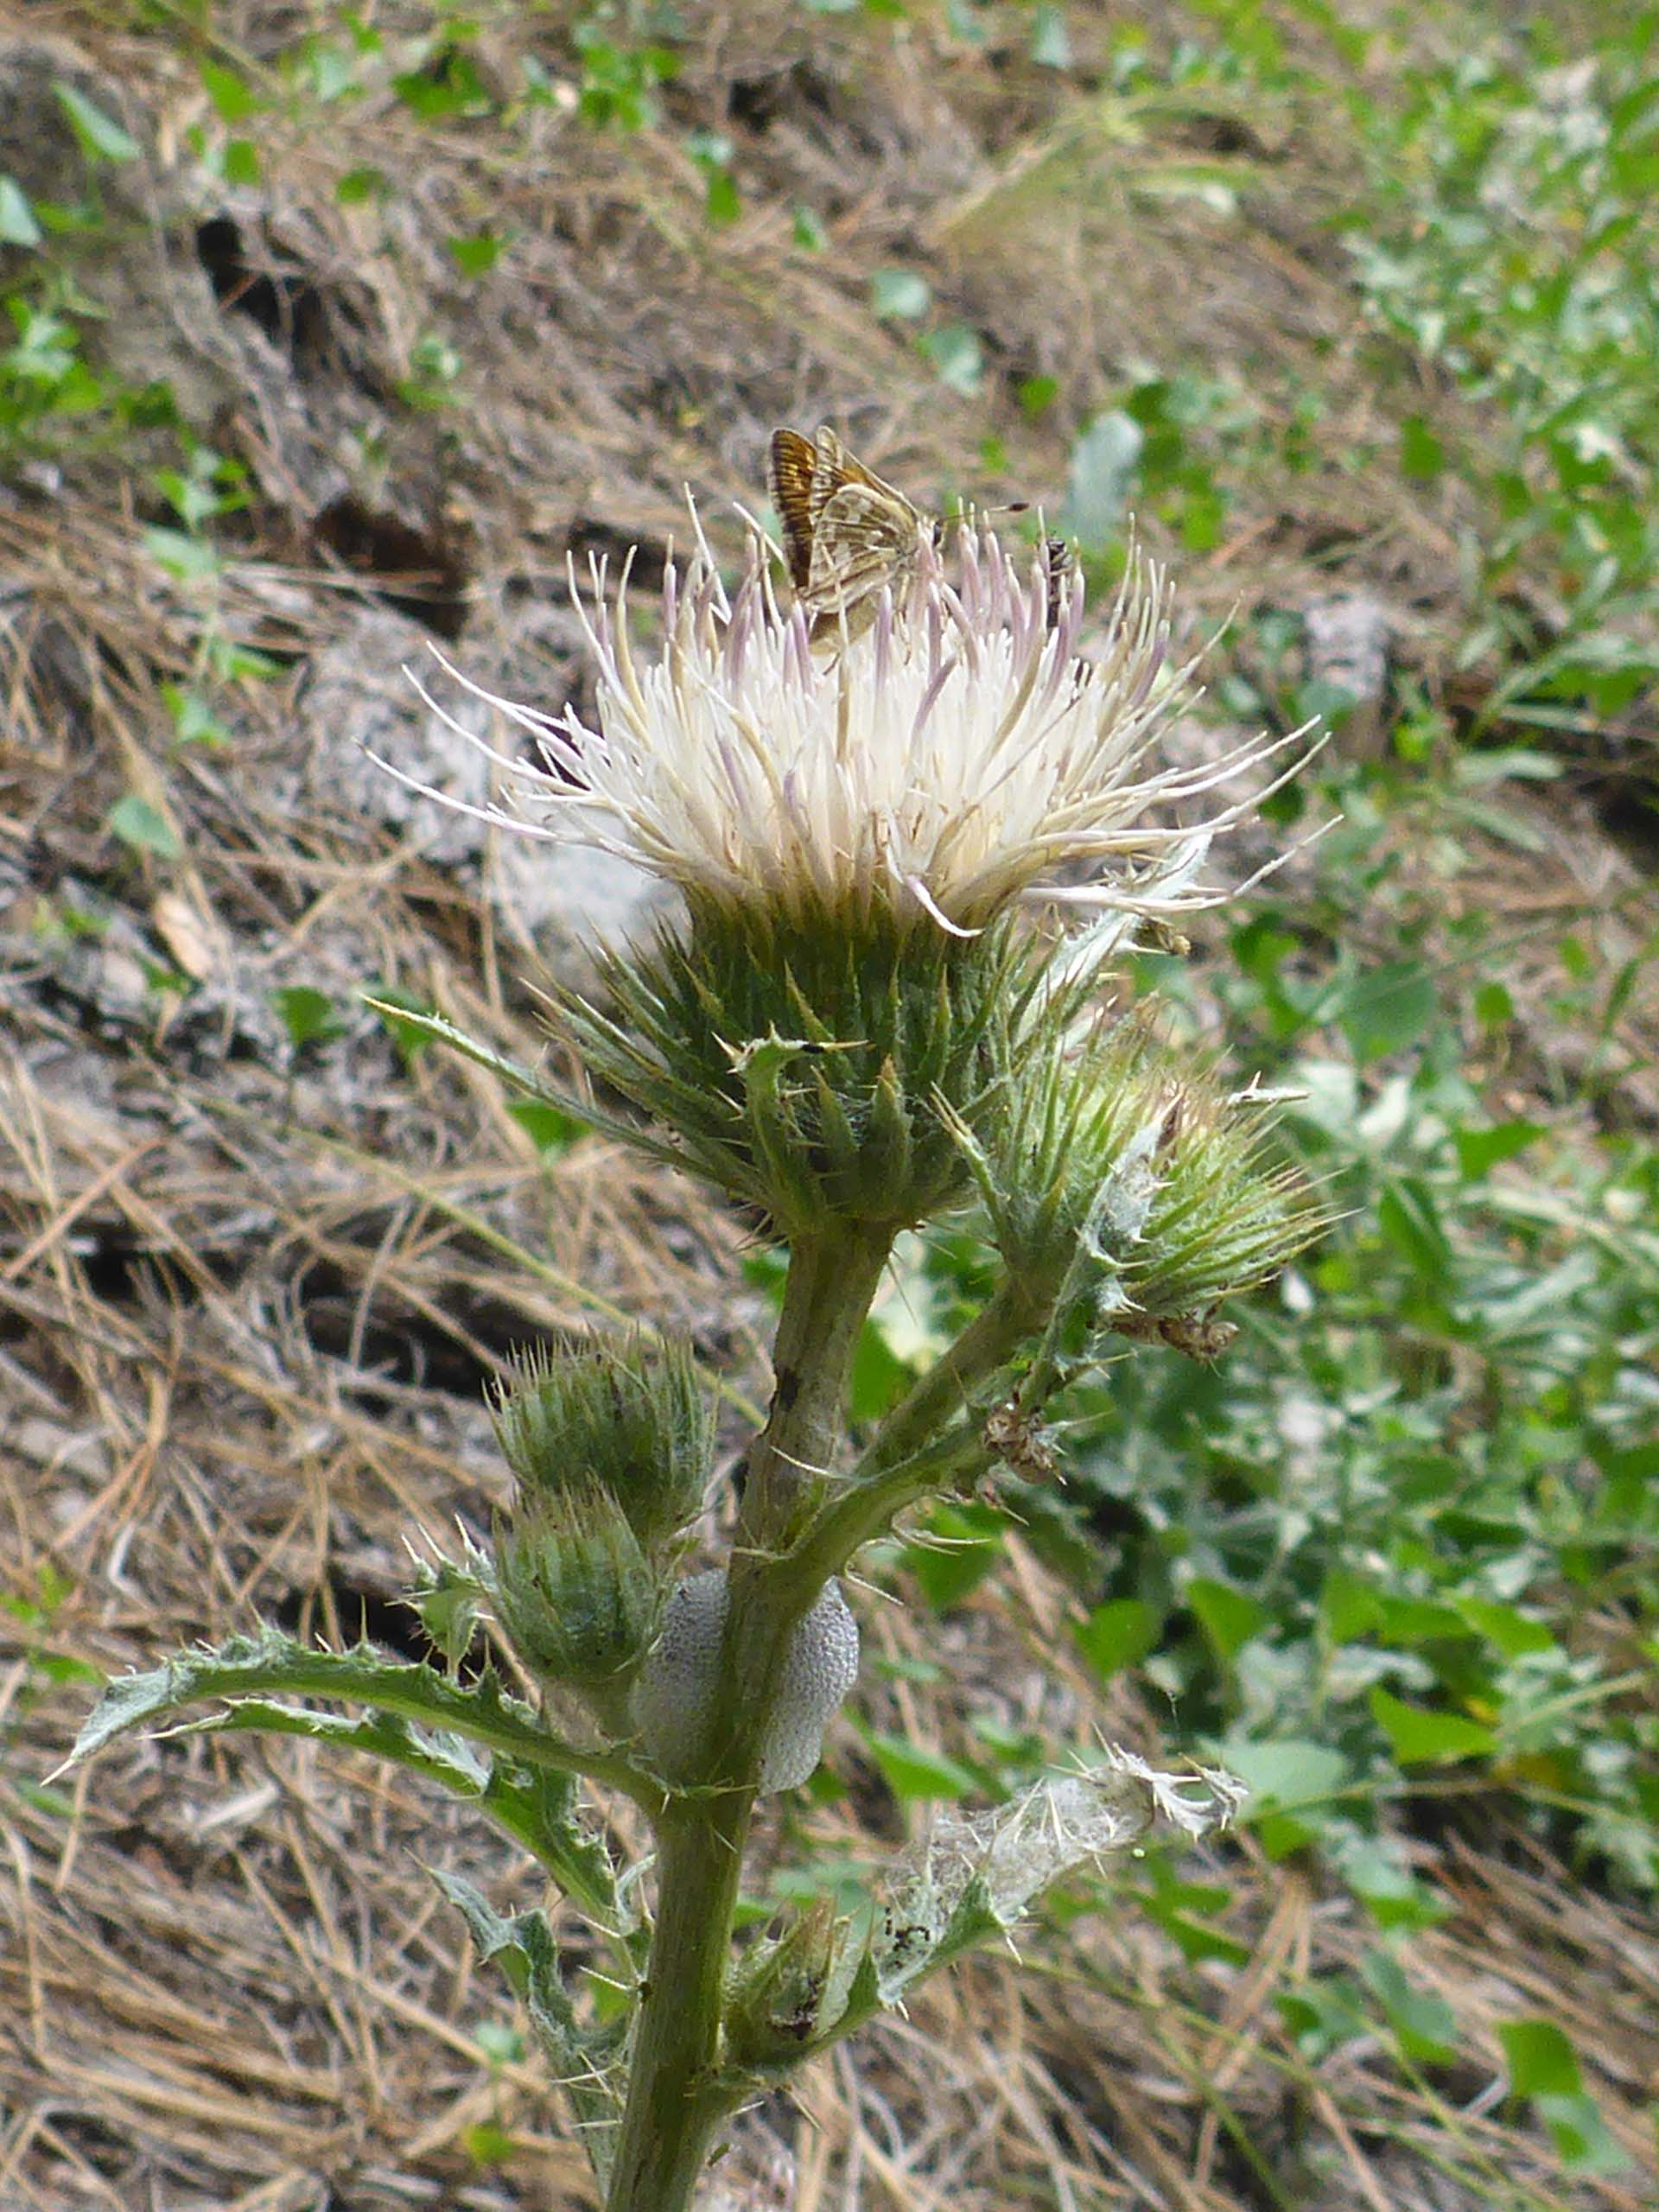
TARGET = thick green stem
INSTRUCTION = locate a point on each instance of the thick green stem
(676, 2096)
(675, 2101)
(865, 1510)
(832, 1278)
(988, 1341)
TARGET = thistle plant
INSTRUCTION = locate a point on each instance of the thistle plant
(906, 859)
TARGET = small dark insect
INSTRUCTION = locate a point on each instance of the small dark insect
(1060, 564)
(1019, 1443)
(1199, 1336)
(848, 535)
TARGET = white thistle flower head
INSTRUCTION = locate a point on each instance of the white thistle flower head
(956, 757)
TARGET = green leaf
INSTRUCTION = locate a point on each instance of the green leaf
(1228, 1618)
(449, 85)
(1286, 1772)
(550, 1128)
(1629, 1478)
(964, 1545)
(1544, 2067)
(1407, 1217)
(1425, 2026)
(879, 1375)
(1323, 2014)
(447, 1599)
(533, 1806)
(17, 223)
(139, 824)
(1387, 1009)
(233, 98)
(309, 1016)
(1420, 1737)
(271, 1663)
(1103, 467)
(100, 135)
(1196, 1942)
(1422, 456)
(586, 2062)
(808, 232)
(52, 1802)
(1349, 1605)
(1036, 394)
(911, 1771)
(359, 185)
(900, 292)
(182, 554)
(1391, 1896)
(1481, 1150)
(1541, 2059)
(193, 720)
(1406, 1621)
(476, 253)
(241, 162)
(488, 2144)
(1117, 1634)
(1513, 1632)
(1584, 2142)
(957, 357)
(721, 203)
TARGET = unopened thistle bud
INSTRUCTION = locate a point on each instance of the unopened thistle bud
(787, 1991)
(1124, 1194)
(1224, 1214)
(575, 1593)
(634, 1419)
(680, 1682)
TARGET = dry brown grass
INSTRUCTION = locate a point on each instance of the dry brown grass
(248, 1304)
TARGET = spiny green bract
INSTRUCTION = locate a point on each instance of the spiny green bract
(788, 1991)
(1118, 1182)
(633, 1418)
(574, 1591)
(801, 1068)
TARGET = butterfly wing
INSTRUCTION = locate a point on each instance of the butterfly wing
(847, 534)
(792, 478)
(862, 539)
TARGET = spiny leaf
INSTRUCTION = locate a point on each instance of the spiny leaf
(536, 1808)
(585, 2061)
(271, 1663)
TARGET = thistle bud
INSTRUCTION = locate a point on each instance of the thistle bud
(575, 1593)
(634, 1419)
(1225, 1215)
(676, 1697)
(787, 1991)
(1124, 1195)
